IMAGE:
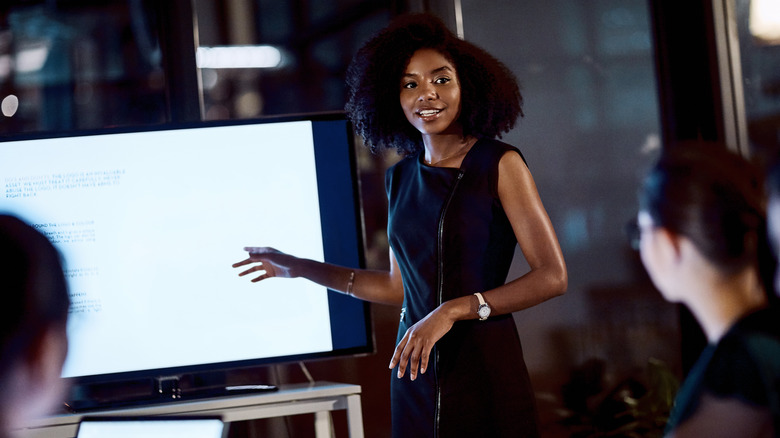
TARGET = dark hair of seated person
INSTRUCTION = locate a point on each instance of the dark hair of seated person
(33, 318)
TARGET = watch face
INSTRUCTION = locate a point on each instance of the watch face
(483, 311)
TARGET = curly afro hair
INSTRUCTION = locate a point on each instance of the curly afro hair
(490, 96)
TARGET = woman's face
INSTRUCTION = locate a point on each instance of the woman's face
(430, 93)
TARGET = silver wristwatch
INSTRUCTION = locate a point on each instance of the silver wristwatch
(484, 308)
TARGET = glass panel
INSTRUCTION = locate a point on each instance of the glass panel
(758, 27)
(315, 40)
(590, 132)
(65, 67)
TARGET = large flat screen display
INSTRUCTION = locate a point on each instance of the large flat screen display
(149, 223)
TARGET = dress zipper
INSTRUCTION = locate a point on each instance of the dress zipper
(440, 297)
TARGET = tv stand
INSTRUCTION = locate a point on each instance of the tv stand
(319, 398)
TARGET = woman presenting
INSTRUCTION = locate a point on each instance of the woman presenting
(459, 203)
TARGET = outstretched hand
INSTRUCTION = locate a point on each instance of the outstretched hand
(269, 261)
(415, 347)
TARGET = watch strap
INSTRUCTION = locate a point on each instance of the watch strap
(483, 305)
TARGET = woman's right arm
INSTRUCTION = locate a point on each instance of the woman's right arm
(385, 287)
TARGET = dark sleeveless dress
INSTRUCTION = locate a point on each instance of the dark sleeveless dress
(451, 238)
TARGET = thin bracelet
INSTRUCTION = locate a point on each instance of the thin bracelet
(349, 284)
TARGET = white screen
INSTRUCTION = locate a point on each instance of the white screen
(181, 428)
(149, 224)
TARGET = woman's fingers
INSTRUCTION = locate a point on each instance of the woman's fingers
(414, 349)
(412, 353)
(262, 277)
(424, 360)
(397, 357)
(242, 263)
(414, 360)
(265, 268)
(258, 250)
(252, 269)
(255, 252)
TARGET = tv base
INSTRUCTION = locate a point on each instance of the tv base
(167, 389)
(170, 388)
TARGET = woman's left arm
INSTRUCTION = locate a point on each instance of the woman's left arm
(546, 279)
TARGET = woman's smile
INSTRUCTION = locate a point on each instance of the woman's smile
(429, 115)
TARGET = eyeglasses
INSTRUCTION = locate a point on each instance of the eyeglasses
(633, 233)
